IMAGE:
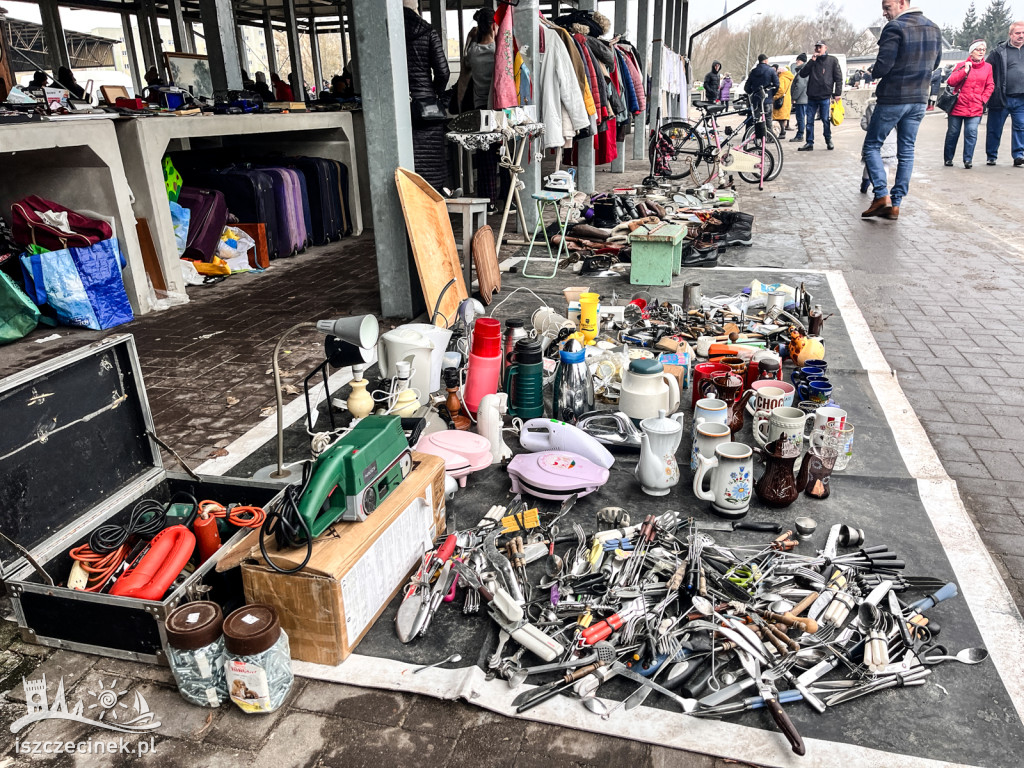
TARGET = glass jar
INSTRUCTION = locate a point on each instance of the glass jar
(259, 665)
(195, 651)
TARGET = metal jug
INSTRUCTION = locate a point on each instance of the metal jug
(574, 386)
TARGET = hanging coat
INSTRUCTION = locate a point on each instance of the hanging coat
(785, 85)
(562, 109)
(579, 69)
(503, 93)
(591, 77)
(628, 85)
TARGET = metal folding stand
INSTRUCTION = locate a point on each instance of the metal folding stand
(545, 198)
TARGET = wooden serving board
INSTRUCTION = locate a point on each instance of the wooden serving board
(486, 259)
(433, 245)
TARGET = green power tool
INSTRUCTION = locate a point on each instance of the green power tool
(356, 474)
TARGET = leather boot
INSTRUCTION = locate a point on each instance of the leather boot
(879, 207)
(894, 213)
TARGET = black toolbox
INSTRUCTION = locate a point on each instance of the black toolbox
(77, 449)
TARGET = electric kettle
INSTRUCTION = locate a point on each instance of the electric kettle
(404, 343)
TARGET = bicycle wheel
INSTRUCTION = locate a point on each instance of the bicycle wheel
(769, 165)
(772, 146)
(677, 148)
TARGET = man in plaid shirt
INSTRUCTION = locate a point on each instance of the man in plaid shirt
(909, 50)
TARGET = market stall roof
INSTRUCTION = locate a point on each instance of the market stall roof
(28, 48)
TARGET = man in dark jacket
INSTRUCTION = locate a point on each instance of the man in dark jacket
(713, 82)
(762, 76)
(909, 50)
(1007, 60)
(799, 93)
(824, 84)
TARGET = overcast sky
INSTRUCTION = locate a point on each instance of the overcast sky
(860, 12)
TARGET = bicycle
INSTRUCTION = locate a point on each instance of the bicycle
(680, 148)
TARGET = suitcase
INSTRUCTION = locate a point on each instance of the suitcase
(306, 214)
(288, 199)
(342, 180)
(249, 194)
(209, 215)
(325, 210)
(99, 459)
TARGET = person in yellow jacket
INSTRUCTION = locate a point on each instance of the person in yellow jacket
(781, 113)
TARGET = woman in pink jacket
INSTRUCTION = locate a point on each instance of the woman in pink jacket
(973, 79)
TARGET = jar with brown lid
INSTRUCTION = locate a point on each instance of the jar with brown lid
(195, 651)
(259, 667)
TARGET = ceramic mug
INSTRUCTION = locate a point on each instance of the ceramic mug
(819, 392)
(785, 386)
(769, 426)
(707, 436)
(801, 374)
(704, 345)
(769, 398)
(828, 414)
(738, 364)
(703, 371)
(731, 470)
(818, 364)
(709, 409)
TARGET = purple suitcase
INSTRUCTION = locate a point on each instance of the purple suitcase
(290, 219)
(209, 214)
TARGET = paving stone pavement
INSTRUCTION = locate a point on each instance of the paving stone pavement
(938, 288)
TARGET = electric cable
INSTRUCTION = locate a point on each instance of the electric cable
(239, 516)
(98, 567)
(287, 524)
(147, 519)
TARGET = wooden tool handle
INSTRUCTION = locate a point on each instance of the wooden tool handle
(805, 625)
(804, 604)
(786, 726)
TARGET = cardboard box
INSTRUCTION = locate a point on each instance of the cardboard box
(355, 569)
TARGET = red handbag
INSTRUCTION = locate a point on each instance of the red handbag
(29, 228)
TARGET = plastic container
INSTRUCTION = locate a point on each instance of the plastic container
(486, 337)
(588, 316)
(195, 651)
(259, 666)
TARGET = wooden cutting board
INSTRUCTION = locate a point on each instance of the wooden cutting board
(433, 245)
(485, 257)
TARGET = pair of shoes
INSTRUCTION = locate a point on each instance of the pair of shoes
(880, 206)
(864, 184)
(805, 148)
(894, 213)
(968, 166)
(798, 137)
(1018, 162)
(990, 162)
(949, 163)
(829, 144)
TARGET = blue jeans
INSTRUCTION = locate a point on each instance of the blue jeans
(970, 129)
(996, 120)
(905, 119)
(820, 110)
(801, 116)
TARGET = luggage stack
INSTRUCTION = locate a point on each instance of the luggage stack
(301, 201)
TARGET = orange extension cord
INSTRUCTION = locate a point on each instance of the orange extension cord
(242, 517)
(99, 567)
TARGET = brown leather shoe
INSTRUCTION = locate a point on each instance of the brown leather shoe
(894, 212)
(879, 207)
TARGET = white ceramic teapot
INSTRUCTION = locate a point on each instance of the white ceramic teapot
(648, 388)
(658, 470)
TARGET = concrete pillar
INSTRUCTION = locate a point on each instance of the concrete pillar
(221, 45)
(657, 47)
(146, 40)
(341, 32)
(585, 172)
(181, 41)
(643, 47)
(190, 36)
(314, 54)
(527, 31)
(133, 55)
(53, 32)
(439, 20)
(294, 48)
(379, 35)
(268, 39)
(243, 54)
(619, 25)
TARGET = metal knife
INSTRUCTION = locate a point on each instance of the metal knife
(688, 705)
(725, 525)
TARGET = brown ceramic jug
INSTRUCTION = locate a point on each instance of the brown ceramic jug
(726, 387)
(777, 486)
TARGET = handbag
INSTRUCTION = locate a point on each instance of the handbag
(779, 102)
(428, 111)
(837, 113)
(37, 221)
(947, 99)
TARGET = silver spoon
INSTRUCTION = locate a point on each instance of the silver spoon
(450, 660)
(966, 656)
(595, 705)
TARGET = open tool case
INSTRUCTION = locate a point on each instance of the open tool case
(77, 450)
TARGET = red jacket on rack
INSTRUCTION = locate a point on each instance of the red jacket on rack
(975, 87)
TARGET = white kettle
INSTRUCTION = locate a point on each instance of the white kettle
(647, 388)
(440, 337)
(403, 343)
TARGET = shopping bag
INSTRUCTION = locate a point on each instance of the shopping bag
(37, 221)
(838, 112)
(947, 99)
(180, 218)
(18, 315)
(82, 286)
